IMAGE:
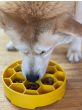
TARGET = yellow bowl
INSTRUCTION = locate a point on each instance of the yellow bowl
(17, 93)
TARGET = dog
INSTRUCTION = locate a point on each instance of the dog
(37, 28)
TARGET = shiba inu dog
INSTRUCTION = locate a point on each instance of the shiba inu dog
(36, 28)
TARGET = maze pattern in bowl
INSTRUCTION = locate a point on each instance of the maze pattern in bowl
(14, 89)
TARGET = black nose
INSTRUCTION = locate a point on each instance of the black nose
(32, 77)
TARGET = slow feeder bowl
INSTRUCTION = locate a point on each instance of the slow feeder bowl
(22, 93)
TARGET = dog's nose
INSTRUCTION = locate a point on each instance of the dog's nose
(32, 77)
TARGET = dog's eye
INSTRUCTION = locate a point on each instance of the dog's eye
(43, 52)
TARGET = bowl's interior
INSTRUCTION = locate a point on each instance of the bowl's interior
(53, 79)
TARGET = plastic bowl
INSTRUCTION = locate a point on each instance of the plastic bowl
(45, 94)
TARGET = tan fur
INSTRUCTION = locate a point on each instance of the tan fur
(37, 17)
(32, 12)
(37, 9)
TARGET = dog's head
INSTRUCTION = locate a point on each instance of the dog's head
(36, 41)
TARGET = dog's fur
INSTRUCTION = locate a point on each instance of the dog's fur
(36, 28)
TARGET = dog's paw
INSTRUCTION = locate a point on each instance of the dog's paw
(10, 46)
(74, 55)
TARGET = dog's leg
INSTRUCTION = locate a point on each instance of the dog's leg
(74, 52)
(3, 22)
(10, 46)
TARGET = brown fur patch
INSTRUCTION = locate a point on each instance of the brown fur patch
(37, 17)
(37, 9)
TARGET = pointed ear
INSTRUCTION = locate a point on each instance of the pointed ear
(67, 24)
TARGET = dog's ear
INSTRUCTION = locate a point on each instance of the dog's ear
(67, 24)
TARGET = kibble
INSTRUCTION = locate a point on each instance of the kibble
(48, 81)
(32, 86)
(17, 81)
